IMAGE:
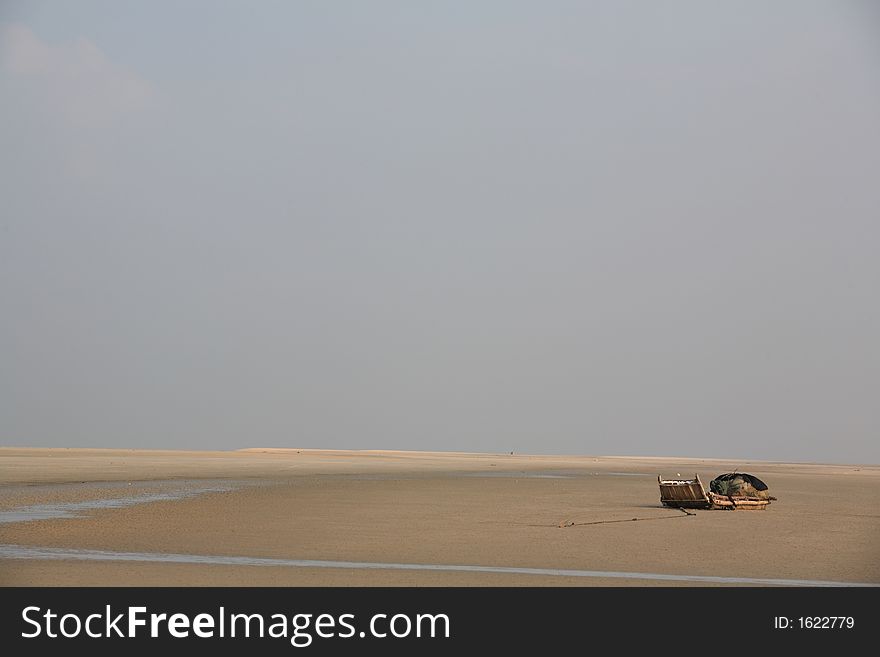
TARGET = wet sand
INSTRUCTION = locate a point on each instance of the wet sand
(483, 510)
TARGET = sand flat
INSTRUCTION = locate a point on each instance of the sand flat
(493, 510)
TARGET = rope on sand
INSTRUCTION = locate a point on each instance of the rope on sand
(571, 523)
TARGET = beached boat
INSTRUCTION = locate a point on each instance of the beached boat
(732, 490)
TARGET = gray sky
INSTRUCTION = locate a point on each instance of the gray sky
(548, 227)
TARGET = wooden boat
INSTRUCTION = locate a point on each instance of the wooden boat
(691, 494)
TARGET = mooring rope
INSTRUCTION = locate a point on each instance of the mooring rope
(571, 523)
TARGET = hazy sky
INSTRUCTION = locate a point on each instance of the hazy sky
(548, 227)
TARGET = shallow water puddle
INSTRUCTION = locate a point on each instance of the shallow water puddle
(27, 552)
(176, 490)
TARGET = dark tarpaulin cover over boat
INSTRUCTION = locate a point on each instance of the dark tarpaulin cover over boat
(739, 484)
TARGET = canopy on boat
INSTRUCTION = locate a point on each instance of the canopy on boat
(739, 484)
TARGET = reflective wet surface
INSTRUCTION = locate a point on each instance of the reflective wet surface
(27, 552)
(125, 494)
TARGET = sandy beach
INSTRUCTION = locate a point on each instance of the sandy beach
(252, 517)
